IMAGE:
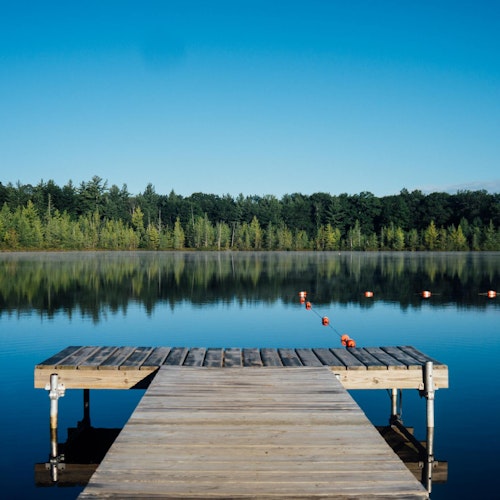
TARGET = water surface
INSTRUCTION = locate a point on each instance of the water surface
(50, 301)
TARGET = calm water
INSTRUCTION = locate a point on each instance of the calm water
(50, 301)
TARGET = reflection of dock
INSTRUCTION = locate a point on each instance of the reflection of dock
(202, 430)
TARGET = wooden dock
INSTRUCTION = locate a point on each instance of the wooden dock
(248, 423)
(250, 433)
(93, 367)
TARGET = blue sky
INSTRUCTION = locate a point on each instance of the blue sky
(253, 97)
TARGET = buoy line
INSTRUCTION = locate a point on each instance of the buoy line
(325, 321)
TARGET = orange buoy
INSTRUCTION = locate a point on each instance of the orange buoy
(426, 294)
(344, 339)
(325, 321)
(302, 295)
(351, 343)
(308, 305)
(491, 294)
(302, 300)
(368, 294)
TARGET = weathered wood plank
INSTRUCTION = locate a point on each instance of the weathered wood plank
(60, 356)
(233, 357)
(156, 358)
(251, 357)
(250, 433)
(327, 357)
(422, 358)
(137, 358)
(114, 361)
(391, 362)
(72, 361)
(350, 361)
(213, 358)
(370, 361)
(270, 357)
(195, 357)
(176, 356)
(402, 356)
(289, 357)
(308, 357)
(97, 358)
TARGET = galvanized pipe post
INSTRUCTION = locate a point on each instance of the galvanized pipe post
(56, 391)
(429, 393)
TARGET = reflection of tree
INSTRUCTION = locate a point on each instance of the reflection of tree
(90, 283)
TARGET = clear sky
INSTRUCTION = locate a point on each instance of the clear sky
(253, 97)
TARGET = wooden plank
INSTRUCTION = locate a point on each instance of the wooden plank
(72, 361)
(114, 361)
(350, 361)
(308, 357)
(251, 357)
(391, 362)
(289, 357)
(137, 358)
(195, 357)
(156, 358)
(270, 357)
(421, 357)
(213, 358)
(233, 357)
(176, 356)
(97, 358)
(187, 440)
(327, 357)
(370, 361)
(402, 356)
(60, 356)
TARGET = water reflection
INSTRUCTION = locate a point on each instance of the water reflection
(90, 283)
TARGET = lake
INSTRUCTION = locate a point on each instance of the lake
(49, 301)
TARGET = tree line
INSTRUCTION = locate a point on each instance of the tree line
(93, 216)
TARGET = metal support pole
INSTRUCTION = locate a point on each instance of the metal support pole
(429, 392)
(56, 391)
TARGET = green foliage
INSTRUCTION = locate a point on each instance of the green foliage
(92, 216)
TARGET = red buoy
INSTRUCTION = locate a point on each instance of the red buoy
(426, 294)
(325, 321)
(351, 343)
(344, 339)
(368, 294)
(491, 294)
(302, 300)
(302, 295)
(308, 305)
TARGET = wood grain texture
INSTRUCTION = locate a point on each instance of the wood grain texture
(250, 433)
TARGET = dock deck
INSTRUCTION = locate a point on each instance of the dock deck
(92, 367)
(250, 433)
(248, 423)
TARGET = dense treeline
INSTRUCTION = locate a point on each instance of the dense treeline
(93, 216)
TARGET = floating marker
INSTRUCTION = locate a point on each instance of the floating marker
(344, 339)
(325, 321)
(302, 300)
(426, 294)
(351, 343)
(308, 305)
(302, 295)
(491, 294)
(368, 294)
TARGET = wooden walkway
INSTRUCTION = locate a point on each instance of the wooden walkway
(93, 367)
(292, 432)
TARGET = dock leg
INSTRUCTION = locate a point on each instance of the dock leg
(395, 408)
(429, 392)
(56, 391)
(85, 422)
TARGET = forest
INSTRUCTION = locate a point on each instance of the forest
(95, 216)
